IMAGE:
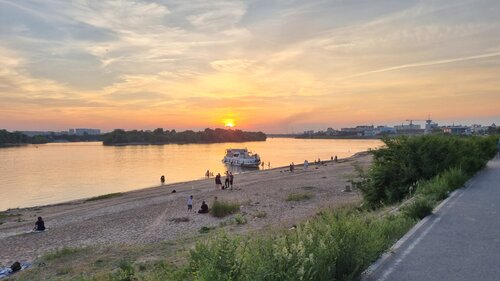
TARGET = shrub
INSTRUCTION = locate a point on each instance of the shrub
(420, 208)
(407, 160)
(298, 196)
(223, 208)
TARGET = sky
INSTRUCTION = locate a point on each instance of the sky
(272, 65)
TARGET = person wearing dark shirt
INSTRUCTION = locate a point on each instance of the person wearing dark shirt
(204, 208)
(39, 225)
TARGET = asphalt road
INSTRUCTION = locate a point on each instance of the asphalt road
(461, 241)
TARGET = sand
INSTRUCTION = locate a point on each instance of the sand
(148, 215)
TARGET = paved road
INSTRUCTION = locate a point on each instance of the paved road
(461, 241)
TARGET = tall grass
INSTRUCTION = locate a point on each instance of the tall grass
(223, 208)
(332, 246)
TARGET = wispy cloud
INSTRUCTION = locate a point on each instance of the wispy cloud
(427, 63)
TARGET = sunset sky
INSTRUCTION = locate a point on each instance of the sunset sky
(275, 66)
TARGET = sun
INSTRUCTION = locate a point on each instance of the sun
(229, 123)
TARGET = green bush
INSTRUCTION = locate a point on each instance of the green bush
(420, 208)
(407, 160)
(223, 208)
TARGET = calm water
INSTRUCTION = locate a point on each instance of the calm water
(51, 173)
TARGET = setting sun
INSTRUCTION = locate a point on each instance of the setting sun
(229, 123)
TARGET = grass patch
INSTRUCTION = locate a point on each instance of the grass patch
(299, 196)
(63, 253)
(420, 208)
(5, 216)
(261, 214)
(239, 219)
(221, 209)
(206, 229)
(105, 196)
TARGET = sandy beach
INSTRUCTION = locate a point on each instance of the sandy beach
(149, 215)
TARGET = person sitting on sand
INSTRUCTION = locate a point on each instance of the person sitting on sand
(204, 208)
(39, 225)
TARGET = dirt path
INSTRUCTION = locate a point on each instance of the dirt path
(148, 215)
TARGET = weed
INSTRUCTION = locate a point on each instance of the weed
(261, 214)
(239, 219)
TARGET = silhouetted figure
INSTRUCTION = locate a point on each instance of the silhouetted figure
(226, 182)
(204, 208)
(207, 174)
(218, 182)
(39, 225)
(190, 203)
(262, 165)
(162, 180)
(335, 159)
(231, 178)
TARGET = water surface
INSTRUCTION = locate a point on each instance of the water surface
(51, 173)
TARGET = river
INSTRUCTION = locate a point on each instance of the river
(35, 175)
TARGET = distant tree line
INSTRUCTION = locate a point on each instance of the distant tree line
(17, 138)
(160, 136)
(8, 138)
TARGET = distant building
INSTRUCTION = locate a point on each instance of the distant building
(309, 133)
(456, 130)
(331, 132)
(409, 127)
(71, 131)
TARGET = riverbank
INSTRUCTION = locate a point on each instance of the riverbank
(156, 214)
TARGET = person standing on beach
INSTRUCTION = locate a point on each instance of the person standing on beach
(190, 203)
(306, 164)
(231, 177)
(162, 180)
(218, 182)
(207, 174)
(262, 165)
(335, 159)
(226, 182)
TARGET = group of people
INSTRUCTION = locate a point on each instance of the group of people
(264, 164)
(228, 183)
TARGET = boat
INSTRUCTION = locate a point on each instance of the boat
(241, 157)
